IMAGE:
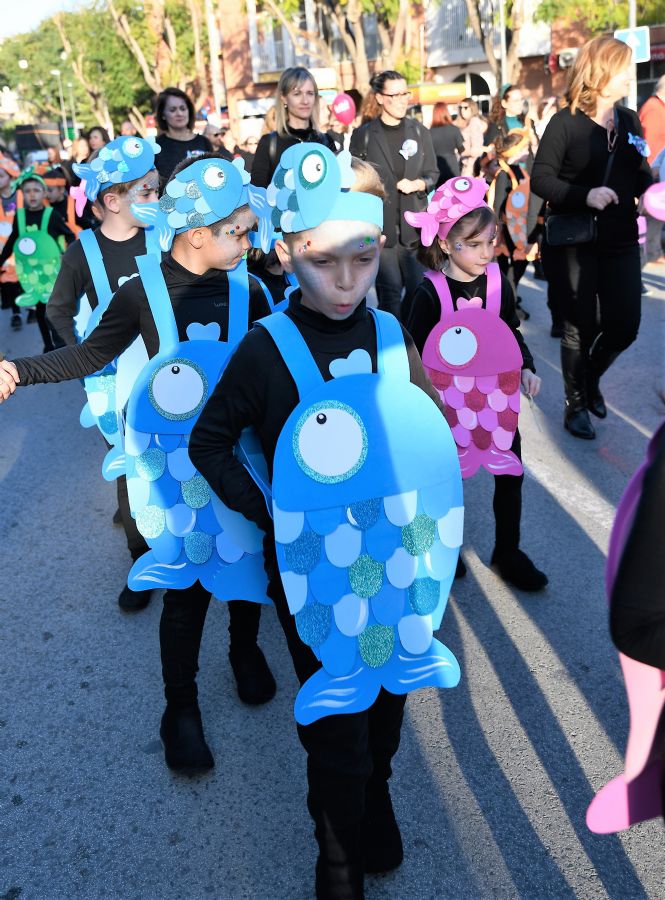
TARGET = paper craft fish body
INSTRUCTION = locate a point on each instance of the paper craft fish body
(37, 258)
(132, 159)
(474, 361)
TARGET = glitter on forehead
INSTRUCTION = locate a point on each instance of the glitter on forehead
(303, 554)
(150, 464)
(313, 623)
(418, 536)
(366, 576)
(376, 644)
(424, 596)
(198, 547)
(150, 521)
(364, 514)
(196, 492)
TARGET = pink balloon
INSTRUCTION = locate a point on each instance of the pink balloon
(344, 109)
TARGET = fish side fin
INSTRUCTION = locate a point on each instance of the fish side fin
(87, 417)
(326, 695)
(114, 464)
(502, 462)
(622, 803)
(470, 459)
(437, 667)
(147, 573)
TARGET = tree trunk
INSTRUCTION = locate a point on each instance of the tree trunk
(473, 11)
(98, 102)
(360, 65)
(399, 33)
(513, 63)
(151, 73)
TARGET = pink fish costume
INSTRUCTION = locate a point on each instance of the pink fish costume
(472, 356)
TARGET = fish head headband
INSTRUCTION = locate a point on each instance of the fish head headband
(201, 194)
(446, 206)
(311, 186)
(123, 159)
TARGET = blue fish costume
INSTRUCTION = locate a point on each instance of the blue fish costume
(192, 535)
(366, 491)
(124, 160)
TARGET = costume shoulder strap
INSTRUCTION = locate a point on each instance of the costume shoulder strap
(159, 300)
(493, 298)
(294, 351)
(238, 303)
(440, 283)
(392, 358)
(93, 256)
(46, 218)
(20, 220)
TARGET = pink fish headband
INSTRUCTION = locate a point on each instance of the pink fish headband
(447, 205)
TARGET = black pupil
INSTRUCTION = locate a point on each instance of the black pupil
(322, 418)
(458, 331)
(175, 370)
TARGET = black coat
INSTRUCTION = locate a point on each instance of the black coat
(446, 140)
(271, 146)
(369, 142)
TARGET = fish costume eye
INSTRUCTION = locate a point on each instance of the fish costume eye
(27, 246)
(462, 185)
(313, 170)
(178, 389)
(214, 177)
(330, 442)
(457, 346)
(132, 148)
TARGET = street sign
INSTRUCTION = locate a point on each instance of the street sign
(638, 40)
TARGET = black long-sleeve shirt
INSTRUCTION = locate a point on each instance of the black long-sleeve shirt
(195, 298)
(637, 610)
(572, 159)
(74, 279)
(422, 311)
(56, 227)
(256, 389)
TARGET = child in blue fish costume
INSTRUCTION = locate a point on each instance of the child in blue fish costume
(190, 311)
(366, 502)
(92, 270)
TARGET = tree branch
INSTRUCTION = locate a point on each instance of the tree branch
(475, 19)
(150, 74)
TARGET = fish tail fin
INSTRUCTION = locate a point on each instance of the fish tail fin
(258, 201)
(622, 803)
(427, 224)
(328, 695)
(502, 462)
(89, 181)
(148, 573)
(245, 579)
(437, 667)
(470, 460)
(152, 216)
(114, 464)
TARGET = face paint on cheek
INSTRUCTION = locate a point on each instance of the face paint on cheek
(134, 193)
(458, 246)
(303, 248)
(230, 232)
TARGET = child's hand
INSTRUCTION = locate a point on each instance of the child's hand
(8, 379)
(530, 383)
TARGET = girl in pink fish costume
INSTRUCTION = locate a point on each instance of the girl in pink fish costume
(463, 321)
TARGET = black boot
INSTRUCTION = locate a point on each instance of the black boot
(185, 748)
(516, 568)
(339, 867)
(253, 677)
(576, 417)
(599, 362)
(381, 839)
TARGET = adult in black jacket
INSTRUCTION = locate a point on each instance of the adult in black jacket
(589, 161)
(296, 121)
(401, 150)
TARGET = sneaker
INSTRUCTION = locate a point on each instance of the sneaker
(254, 680)
(517, 569)
(381, 839)
(16, 321)
(133, 601)
(185, 748)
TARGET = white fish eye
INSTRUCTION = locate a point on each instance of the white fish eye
(462, 185)
(27, 246)
(132, 148)
(330, 442)
(457, 345)
(313, 170)
(178, 389)
(214, 177)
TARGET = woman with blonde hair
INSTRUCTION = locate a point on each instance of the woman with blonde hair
(296, 121)
(590, 168)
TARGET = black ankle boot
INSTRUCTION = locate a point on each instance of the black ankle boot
(133, 601)
(516, 568)
(254, 679)
(599, 362)
(185, 748)
(576, 417)
(381, 839)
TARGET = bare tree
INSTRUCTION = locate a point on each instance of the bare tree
(98, 102)
(485, 37)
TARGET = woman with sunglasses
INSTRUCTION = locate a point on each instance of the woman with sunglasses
(401, 149)
(473, 128)
(592, 162)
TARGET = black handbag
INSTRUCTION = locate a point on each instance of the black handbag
(567, 229)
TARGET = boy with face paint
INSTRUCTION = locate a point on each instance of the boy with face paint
(332, 242)
(204, 249)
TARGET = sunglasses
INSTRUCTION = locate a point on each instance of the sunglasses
(404, 95)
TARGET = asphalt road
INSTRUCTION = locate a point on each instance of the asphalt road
(493, 778)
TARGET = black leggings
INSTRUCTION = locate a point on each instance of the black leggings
(398, 269)
(40, 310)
(507, 505)
(9, 291)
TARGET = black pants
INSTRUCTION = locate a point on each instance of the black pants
(550, 260)
(45, 331)
(513, 269)
(348, 756)
(599, 291)
(180, 632)
(398, 269)
(9, 291)
(507, 505)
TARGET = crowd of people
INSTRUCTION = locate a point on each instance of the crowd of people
(288, 233)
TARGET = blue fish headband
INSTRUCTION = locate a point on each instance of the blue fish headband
(311, 186)
(203, 193)
(122, 160)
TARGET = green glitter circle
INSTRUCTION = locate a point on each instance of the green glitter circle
(365, 513)
(307, 469)
(196, 492)
(179, 417)
(418, 536)
(150, 464)
(313, 623)
(198, 547)
(366, 576)
(151, 521)
(303, 554)
(424, 596)
(376, 644)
